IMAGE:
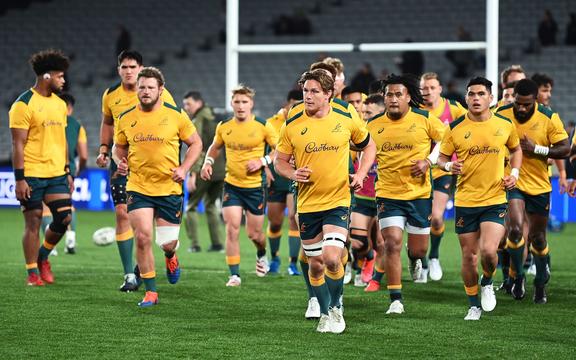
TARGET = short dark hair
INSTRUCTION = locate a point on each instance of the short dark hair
(411, 83)
(130, 54)
(294, 95)
(152, 72)
(376, 87)
(68, 99)
(49, 60)
(542, 79)
(526, 87)
(479, 80)
(195, 95)
(375, 99)
(350, 90)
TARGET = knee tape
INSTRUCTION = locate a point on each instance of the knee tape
(61, 210)
(334, 239)
(313, 249)
(360, 235)
(167, 234)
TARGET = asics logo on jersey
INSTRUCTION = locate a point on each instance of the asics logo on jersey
(467, 135)
(304, 131)
(228, 132)
(117, 101)
(337, 128)
(133, 124)
(412, 128)
(499, 132)
(380, 131)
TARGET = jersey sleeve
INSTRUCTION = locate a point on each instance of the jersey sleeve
(271, 135)
(120, 136)
(167, 97)
(185, 127)
(447, 147)
(218, 134)
(556, 130)
(20, 116)
(513, 140)
(82, 138)
(436, 128)
(359, 132)
(284, 144)
(105, 106)
(457, 110)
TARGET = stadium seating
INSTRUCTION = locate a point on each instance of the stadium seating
(161, 30)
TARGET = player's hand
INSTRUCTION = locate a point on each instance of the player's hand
(123, 167)
(563, 184)
(527, 144)
(302, 174)
(509, 182)
(206, 172)
(22, 190)
(419, 167)
(572, 188)
(70, 179)
(178, 174)
(269, 176)
(292, 161)
(103, 160)
(457, 167)
(191, 183)
(357, 181)
(253, 165)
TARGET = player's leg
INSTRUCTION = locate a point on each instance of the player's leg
(233, 219)
(46, 220)
(504, 259)
(515, 242)
(31, 241)
(418, 229)
(213, 215)
(194, 199)
(71, 234)
(379, 266)
(537, 209)
(437, 227)
(275, 220)
(469, 247)
(490, 234)
(168, 220)
(254, 229)
(124, 234)
(141, 217)
(359, 243)
(293, 236)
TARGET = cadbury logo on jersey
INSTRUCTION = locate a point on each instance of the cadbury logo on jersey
(388, 146)
(480, 150)
(138, 138)
(51, 123)
(311, 147)
(238, 146)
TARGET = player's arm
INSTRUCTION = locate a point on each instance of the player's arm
(558, 150)
(368, 148)
(19, 137)
(82, 150)
(284, 168)
(446, 151)
(106, 137)
(211, 154)
(192, 154)
(509, 182)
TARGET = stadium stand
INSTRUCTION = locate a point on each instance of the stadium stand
(172, 39)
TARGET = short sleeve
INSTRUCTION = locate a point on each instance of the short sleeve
(82, 138)
(105, 106)
(447, 147)
(185, 127)
(271, 135)
(359, 132)
(284, 144)
(120, 136)
(167, 97)
(436, 128)
(20, 116)
(513, 140)
(218, 134)
(556, 130)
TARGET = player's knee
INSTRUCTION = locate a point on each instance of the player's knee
(392, 246)
(436, 222)
(275, 227)
(316, 265)
(538, 240)
(167, 237)
(515, 232)
(469, 259)
(359, 238)
(61, 210)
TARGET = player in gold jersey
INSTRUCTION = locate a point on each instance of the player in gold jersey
(115, 101)
(244, 137)
(480, 139)
(572, 186)
(403, 135)
(40, 161)
(447, 111)
(148, 144)
(319, 140)
(542, 137)
(280, 198)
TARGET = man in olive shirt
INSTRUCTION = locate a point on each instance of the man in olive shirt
(208, 191)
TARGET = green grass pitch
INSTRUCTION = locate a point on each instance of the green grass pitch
(83, 315)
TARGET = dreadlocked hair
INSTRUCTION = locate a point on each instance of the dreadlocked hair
(411, 83)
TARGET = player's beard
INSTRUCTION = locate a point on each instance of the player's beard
(149, 106)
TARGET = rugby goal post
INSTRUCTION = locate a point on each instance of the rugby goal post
(234, 49)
